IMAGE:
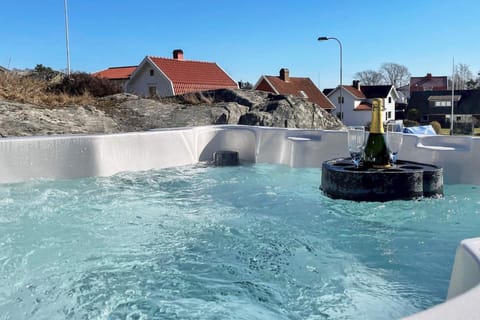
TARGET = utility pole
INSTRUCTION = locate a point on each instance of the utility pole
(66, 36)
(453, 93)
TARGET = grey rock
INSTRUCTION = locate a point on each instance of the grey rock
(128, 113)
(257, 118)
(18, 119)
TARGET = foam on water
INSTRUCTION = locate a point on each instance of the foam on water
(197, 242)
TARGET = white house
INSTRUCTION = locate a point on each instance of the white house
(357, 102)
(165, 77)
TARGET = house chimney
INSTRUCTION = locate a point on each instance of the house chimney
(429, 76)
(356, 84)
(178, 54)
(285, 74)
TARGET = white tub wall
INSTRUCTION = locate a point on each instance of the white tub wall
(242, 139)
(298, 147)
(458, 155)
(60, 157)
(144, 151)
(75, 156)
(272, 147)
(72, 156)
(312, 148)
(68, 156)
(466, 268)
(464, 307)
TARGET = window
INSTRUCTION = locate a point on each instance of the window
(341, 101)
(389, 99)
(389, 114)
(151, 73)
(152, 90)
(444, 103)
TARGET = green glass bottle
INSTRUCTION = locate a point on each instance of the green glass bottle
(376, 151)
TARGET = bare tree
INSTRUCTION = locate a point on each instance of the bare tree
(474, 83)
(395, 74)
(463, 76)
(369, 77)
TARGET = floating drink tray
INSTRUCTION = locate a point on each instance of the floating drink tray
(406, 180)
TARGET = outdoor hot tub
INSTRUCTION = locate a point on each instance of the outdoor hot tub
(141, 225)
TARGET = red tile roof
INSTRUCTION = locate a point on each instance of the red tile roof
(115, 73)
(190, 76)
(428, 83)
(299, 87)
(357, 93)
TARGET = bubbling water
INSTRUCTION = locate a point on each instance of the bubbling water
(198, 242)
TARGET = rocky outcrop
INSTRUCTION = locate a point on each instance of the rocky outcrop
(18, 119)
(127, 113)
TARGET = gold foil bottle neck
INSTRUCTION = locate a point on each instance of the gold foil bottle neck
(376, 126)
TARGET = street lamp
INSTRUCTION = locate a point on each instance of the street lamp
(341, 72)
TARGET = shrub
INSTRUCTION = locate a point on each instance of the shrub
(43, 73)
(82, 83)
(413, 114)
(436, 126)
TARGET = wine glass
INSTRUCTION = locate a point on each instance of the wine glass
(356, 143)
(394, 139)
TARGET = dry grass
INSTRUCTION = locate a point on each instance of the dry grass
(24, 89)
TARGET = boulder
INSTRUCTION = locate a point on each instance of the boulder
(127, 113)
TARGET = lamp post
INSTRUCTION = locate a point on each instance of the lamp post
(341, 72)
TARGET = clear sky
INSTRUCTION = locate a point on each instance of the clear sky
(246, 38)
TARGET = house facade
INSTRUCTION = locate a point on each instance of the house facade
(117, 75)
(357, 102)
(300, 87)
(163, 77)
(437, 106)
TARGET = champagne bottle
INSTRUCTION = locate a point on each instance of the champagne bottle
(376, 152)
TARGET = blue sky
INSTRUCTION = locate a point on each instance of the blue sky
(246, 38)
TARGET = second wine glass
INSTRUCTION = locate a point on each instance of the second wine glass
(394, 139)
(356, 143)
